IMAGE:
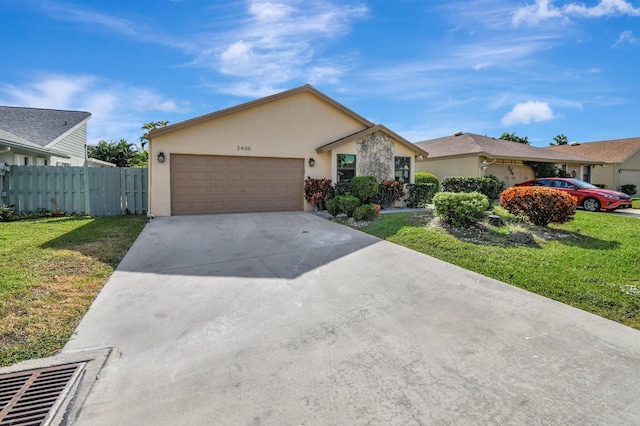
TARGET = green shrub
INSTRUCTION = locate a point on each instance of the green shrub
(490, 185)
(317, 192)
(389, 191)
(342, 188)
(628, 189)
(365, 212)
(6, 213)
(460, 209)
(420, 194)
(342, 204)
(364, 187)
(540, 205)
(423, 177)
(601, 185)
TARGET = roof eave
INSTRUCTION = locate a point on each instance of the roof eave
(41, 151)
(378, 127)
(257, 102)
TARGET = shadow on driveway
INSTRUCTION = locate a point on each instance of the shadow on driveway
(278, 245)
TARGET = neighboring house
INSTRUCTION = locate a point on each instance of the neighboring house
(43, 137)
(468, 154)
(94, 162)
(255, 157)
(621, 158)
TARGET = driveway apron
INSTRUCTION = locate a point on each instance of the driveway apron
(290, 319)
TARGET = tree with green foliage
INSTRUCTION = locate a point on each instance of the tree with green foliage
(144, 139)
(515, 138)
(560, 139)
(121, 153)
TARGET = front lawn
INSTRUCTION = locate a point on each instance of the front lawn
(50, 272)
(591, 263)
(635, 203)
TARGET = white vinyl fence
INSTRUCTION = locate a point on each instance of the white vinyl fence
(93, 191)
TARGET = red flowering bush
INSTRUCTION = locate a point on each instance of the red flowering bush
(389, 191)
(317, 192)
(539, 204)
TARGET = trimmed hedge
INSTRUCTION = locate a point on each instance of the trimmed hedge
(539, 204)
(629, 189)
(366, 212)
(364, 187)
(346, 204)
(420, 194)
(490, 185)
(424, 177)
(460, 209)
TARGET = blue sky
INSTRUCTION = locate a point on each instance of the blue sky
(425, 69)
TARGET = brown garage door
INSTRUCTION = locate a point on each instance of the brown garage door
(205, 184)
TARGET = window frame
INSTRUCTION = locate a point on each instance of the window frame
(349, 170)
(399, 170)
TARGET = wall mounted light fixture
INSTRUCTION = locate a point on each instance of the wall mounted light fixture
(419, 157)
(312, 162)
(161, 157)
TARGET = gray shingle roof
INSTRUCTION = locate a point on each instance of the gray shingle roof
(469, 144)
(39, 126)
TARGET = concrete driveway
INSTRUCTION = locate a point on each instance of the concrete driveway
(290, 319)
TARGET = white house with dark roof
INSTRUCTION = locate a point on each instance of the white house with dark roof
(43, 137)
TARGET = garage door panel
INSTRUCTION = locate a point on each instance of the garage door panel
(219, 184)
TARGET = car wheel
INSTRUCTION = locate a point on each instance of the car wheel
(591, 205)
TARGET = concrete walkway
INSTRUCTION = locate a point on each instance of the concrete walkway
(290, 319)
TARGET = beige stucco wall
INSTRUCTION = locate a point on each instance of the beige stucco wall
(292, 127)
(630, 173)
(510, 174)
(442, 168)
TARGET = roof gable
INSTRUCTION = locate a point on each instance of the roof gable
(368, 131)
(611, 151)
(262, 101)
(39, 126)
(466, 144)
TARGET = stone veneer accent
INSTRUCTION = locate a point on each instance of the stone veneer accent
(374, 156)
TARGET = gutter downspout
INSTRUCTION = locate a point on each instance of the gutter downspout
(149, 179)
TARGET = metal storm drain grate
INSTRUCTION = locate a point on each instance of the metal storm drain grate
(31, 397)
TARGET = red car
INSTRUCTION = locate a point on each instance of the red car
(589, 196)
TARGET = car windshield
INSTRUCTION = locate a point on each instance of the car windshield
(582, 184)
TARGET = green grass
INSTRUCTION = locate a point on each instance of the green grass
(50, 272)
(592, 263)
(635, 203)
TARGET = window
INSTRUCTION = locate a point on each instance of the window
(26, 161)
(403, 169)
(346, 167)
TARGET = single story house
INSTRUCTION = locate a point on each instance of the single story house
(255, 157)
(43, 137)
(620, 156)
(468, 154)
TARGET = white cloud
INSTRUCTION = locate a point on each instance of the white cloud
(627, 37)
(543, 10)
(137, 29)
(118, 111)
(528, 112)
(279, 42)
